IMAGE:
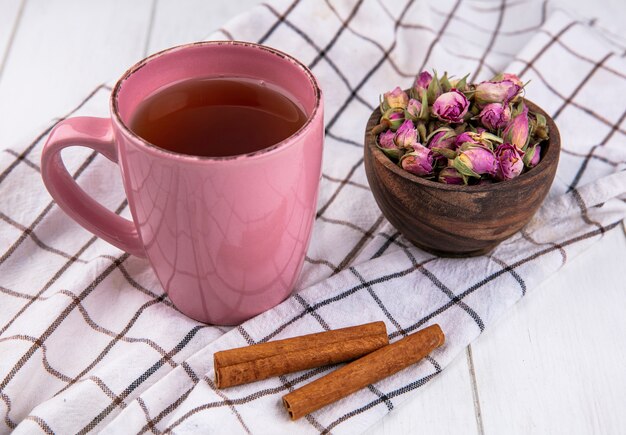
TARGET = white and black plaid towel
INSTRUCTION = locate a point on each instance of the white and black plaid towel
(89, 341)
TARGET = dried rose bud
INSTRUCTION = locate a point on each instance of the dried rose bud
(481, 137)
(421, 130)
(496, 92)
(443, 140)
(466, 137)
(460, 84)
(449, 175)
(495, 115)
(538, 124)
(393, 118)
(532, 155)
(420, 86)
(514, 78)
(475, 160)
(434, 88)
(536, 156)
(444, 83)
(395, 98)
(388, 146)
(385, 139)
(413, 110)
(406, 136)
(510, 163)
(441, 135)
(451, 106)
(419, 161)
(516, 131)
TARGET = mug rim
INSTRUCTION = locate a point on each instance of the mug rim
(254, 154)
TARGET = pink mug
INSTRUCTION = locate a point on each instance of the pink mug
(226, 236)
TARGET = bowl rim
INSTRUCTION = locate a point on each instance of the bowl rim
(550, 158)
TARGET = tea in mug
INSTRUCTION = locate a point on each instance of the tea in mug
(217, 117)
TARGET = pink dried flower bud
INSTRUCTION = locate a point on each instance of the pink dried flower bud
(388, 146)
(496, 92)
(466, 136)
(475, 160)
(536, 156)
(422, 81)
(445, 139)
(516, 131)
(538, 125)
(393, 117)
(510, 163)
(385, 139)
(495, 115)
(481, 137)
(514, 78)
(451, 106)
(532, 156)
(413, 109)
(406, 136)
(449, 175)
(460, 84)
(395, 98)
(419, 161)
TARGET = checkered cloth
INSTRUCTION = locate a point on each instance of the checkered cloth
(89, 341)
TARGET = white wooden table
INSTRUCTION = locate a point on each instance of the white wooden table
(546, 368)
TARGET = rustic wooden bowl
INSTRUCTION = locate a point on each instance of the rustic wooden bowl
(458, 221)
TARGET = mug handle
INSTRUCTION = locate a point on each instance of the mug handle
(97, 134)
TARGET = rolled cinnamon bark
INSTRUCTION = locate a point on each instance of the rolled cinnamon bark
(362, 372)
(274, 358)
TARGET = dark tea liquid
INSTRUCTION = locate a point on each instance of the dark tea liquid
(217, 117)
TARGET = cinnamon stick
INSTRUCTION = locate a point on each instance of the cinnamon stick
(362, 372)
(274, 358)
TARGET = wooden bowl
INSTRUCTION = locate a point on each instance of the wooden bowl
(452, 220)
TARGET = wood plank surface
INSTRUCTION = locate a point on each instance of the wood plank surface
(443, 406)
(10, 12)
(177, 22)
(557, 362)
(61, 51)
